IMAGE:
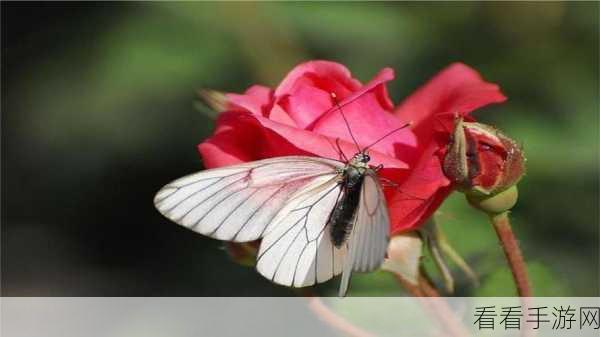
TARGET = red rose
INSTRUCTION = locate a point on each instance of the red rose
(299, 118)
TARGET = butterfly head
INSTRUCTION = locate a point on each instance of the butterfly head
(360, 159)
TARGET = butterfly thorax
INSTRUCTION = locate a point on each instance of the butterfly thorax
(344, 212)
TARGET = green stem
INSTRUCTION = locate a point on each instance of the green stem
(513, 252)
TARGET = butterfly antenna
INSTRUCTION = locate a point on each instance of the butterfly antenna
(387, 134)
(337, 104)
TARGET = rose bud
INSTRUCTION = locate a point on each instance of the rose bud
(484, 164)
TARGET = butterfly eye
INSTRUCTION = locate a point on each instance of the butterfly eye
(366, 158)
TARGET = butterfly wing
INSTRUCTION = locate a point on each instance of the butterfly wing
(299, 251)
(369, 238)
(239, 203)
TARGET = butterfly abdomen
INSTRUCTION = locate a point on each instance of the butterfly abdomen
(342, 216)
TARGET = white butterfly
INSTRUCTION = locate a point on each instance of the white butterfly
(316, 217)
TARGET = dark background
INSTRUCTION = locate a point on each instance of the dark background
(98, 113)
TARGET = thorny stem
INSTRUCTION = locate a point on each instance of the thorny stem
(513, 253)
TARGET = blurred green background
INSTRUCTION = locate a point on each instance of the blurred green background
(98, 113)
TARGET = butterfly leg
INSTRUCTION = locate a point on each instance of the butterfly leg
(388, 183)
(385, 182)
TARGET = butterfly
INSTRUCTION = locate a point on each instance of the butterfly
(316, 217)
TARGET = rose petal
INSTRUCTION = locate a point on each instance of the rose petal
(384, 75)
(421, 191)
(240, 138)
(305, 93)
(306, 104)
(277, 114)
(323, 69)
(456, 89)
(256, 99)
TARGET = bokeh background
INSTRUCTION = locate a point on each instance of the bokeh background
(99, 110)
